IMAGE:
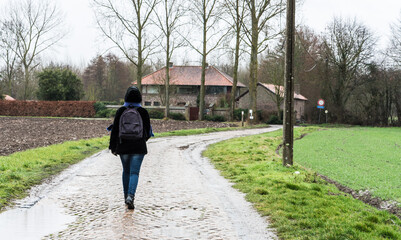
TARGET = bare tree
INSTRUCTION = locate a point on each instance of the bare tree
(207, 16)
(394, 51)
(8, 57)
(168, 21)
(261, 13)
(236, 10)
(307, 63)
(35, 27)
(272, 69)
(348, 48)
(395, 79)
(126, 24)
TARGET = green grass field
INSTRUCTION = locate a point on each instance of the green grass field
(300, 206)
(361, 158)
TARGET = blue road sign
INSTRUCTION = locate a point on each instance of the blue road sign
(321, 107)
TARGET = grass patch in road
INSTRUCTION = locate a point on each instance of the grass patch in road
(362, 158)
(300, 206)
(186, 132)
(22, 170)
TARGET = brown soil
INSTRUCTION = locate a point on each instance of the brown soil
(19, 133)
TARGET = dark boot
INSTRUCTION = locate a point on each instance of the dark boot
(130, 201)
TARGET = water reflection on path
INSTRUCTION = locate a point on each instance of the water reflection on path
(33, 223)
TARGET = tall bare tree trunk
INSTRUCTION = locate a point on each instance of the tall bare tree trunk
(238, 24)
(140, 58)
(168, 23)
(254, 63)
(235, 77)
(203, 74)
(26, 81)
(167, 90)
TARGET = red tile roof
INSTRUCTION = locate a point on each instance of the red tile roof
(190, 76)
(8, 98)
(272, 88)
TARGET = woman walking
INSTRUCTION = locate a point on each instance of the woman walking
(131, 149)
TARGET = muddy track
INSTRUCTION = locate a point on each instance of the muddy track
(180, 196)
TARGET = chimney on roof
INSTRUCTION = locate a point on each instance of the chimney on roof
(170, 64)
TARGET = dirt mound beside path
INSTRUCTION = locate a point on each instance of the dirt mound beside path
(22, 133)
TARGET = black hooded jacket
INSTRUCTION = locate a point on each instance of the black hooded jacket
(130, 146)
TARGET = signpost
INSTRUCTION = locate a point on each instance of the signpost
(242, 118)
(320, 105)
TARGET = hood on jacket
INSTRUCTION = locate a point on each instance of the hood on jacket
(133, 95)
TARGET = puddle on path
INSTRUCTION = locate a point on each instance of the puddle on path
(43, 219)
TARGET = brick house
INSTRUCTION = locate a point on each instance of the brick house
(265, 100)
(185, 82)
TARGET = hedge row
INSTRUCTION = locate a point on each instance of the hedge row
(47, 108)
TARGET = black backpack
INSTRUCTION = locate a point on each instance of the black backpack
(131, 125)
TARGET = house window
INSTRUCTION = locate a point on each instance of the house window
(156, 103)
(148, 103)
(216, 90)
(186, 90)
(152, 89)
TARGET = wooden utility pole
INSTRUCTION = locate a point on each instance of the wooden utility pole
(288, 124)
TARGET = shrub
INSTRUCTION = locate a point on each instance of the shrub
(224, 101)
(273, 119)
(216, 118)
(259, 114)
(102, 111)
(106, 113)
(156, 114)
(112, 103)
(237, 114)
(59, 83)
(99, 106)
(177, 116)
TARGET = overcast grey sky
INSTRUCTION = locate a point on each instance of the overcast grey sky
(376, 14)
(84, 41)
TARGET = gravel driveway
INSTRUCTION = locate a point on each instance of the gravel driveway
(180, 196)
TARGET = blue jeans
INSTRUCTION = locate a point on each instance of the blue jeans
(131, 167)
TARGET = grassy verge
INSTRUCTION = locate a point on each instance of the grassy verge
(359, 158)
(187, 132)
(22, 170)
(300, 206)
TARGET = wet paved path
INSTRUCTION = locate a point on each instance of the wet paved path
(180, 196)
